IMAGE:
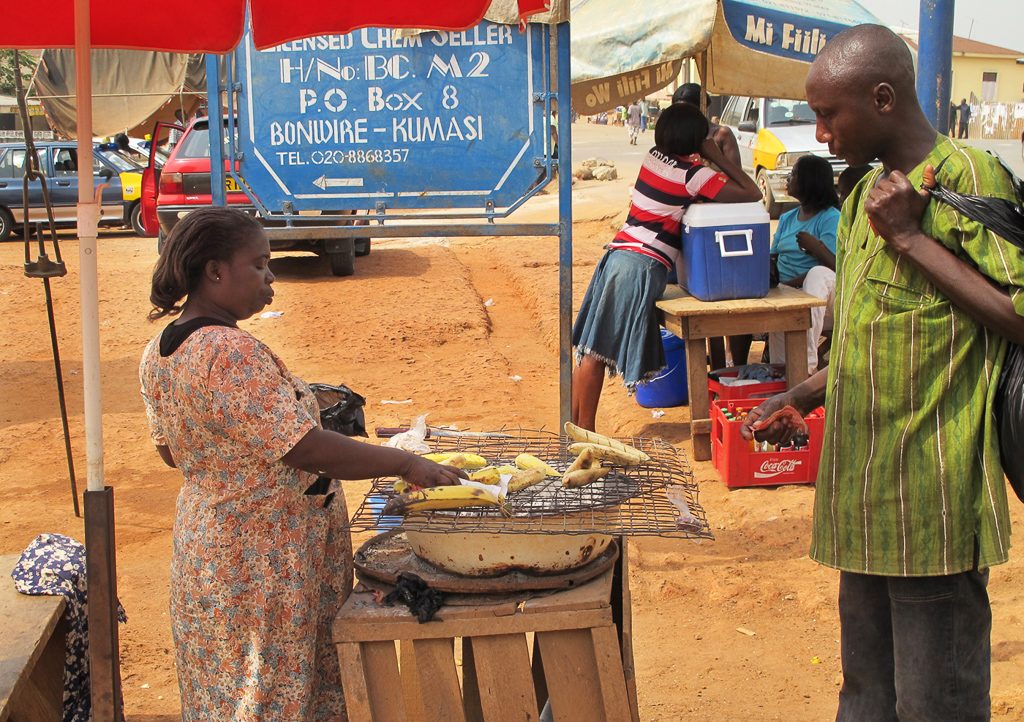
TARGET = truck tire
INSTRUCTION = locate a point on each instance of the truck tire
(136, 219)
(362, 246)
(160, 237)
(773, 207)
(6, 224)
(343, 263)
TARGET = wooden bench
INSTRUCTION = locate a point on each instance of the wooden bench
(783, 309)
(31, 652)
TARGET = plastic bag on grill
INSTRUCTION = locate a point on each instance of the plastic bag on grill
(413, 440)
(341, 409)
(1005, 219)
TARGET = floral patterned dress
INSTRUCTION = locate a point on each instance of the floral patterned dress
(259, 569)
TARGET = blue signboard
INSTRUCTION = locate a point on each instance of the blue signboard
(374, 120)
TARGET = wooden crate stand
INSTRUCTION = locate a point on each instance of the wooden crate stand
(575, 659)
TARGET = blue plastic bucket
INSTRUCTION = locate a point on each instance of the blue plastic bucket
(668, 388)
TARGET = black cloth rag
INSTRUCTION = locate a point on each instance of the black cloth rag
(416, 594)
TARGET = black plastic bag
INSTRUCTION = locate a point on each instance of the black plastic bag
(1010, 418)
(1000, 216)
(413, 592)
(341, 409)
(1006, 220)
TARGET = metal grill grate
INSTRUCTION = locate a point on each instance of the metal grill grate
(636, 501)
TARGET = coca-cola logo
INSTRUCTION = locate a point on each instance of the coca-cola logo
(770, 468)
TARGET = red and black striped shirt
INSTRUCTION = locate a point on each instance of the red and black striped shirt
(666, 186)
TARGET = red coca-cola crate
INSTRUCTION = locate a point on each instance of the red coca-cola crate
(718, 391)
(742, 463)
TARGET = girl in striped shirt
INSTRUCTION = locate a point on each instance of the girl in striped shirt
(617, 328)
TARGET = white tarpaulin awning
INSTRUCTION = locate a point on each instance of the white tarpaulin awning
(627, 49)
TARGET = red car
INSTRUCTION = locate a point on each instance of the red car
(183, 185)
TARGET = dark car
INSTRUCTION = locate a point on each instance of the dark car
(58, 161)
(183, 184)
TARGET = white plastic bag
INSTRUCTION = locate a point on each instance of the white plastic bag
(414, 440)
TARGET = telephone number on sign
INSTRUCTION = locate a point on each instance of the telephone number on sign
(376, 155)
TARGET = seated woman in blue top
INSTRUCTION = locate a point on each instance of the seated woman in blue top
(805, 243)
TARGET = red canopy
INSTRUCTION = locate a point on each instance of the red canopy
(215, 26)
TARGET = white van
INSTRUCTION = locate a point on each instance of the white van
(772, 133)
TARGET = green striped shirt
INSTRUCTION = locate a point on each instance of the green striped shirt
(910, 482)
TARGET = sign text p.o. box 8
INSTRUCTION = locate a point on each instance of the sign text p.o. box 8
(370, 120)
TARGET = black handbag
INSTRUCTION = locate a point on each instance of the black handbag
(1006, 220)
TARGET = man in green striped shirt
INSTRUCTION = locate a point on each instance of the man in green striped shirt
(911, 502)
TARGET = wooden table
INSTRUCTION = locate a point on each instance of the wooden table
(784, 309)
(31, 652)
(576, 659)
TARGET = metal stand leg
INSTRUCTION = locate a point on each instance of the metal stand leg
(101, 571)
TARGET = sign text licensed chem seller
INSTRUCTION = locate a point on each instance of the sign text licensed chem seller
(371, 119)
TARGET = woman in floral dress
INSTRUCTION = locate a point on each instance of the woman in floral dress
(262, 560)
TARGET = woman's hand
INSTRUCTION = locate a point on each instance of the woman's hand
(742, 189)
(816, 248)
(710, 151)
(424, 472)
(807, 242)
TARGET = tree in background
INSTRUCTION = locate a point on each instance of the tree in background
(28, 66)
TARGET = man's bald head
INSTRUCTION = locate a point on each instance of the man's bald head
(863, 56)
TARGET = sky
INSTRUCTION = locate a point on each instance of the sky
(999, 22)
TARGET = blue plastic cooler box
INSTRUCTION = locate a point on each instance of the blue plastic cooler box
(725, 251)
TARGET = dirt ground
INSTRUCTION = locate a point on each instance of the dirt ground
(414, 323)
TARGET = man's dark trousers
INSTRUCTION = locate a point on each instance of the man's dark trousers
(915, 649)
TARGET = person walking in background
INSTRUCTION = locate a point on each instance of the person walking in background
(965, 118)
(262, 559)
(804, 248)
(952, 120)
(910, 503)
(633, 121)
(617, 330)
(174, 135)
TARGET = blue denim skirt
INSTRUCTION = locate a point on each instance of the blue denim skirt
(617, 322)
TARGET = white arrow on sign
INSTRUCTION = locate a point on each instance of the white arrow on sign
(323, 182)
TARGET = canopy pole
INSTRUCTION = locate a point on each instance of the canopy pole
(935, 61)
(563, 90)
(88, 217)
(702, 70)
(101, 568)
